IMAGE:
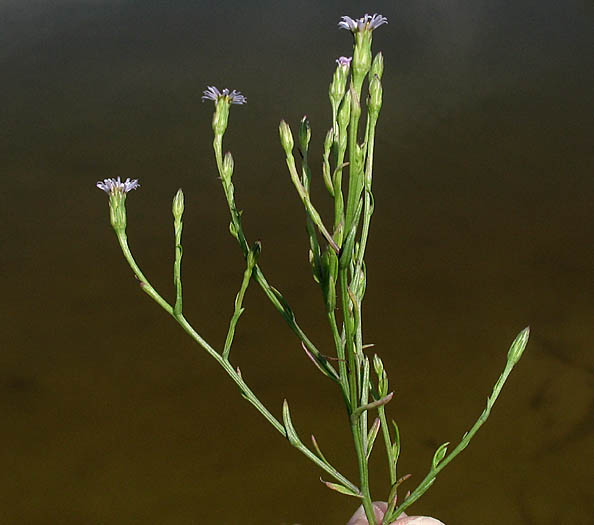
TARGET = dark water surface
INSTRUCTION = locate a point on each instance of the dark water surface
(484, 223)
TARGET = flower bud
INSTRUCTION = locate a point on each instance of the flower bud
(228, 165)
(377, 66)
(304, 134)
(375, 96)
(286, 137)
(328, 140)
(253, 254)
(517, 347)
(344, 114)
(382, 377)
(178, 205)
(378, 365)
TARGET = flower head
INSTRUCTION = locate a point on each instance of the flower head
(344, 61)
(339, 81)
(233, 97)
(112, 186)
(117, 190)
(365, 23)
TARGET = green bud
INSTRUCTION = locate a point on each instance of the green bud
(375, 96)
(382, 377)
(378, 365)
(220, 117)
(377, 66)
(286, 137)
(355, 104)
(328, 140)
(330, 274)
(178, 205)
(228, 165)
(304, 134)
(253, 254)
(517, 347)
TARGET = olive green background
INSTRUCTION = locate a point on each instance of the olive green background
(484, 224)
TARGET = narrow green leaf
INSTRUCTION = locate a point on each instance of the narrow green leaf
(326, 162)
(318, 450)
(380, 402)
(392, 498)
(287, 312)
(290, 429)
(340, 488)
(338, 169)
(321, 363)
(365, 382)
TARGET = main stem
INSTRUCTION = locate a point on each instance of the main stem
(354, 397)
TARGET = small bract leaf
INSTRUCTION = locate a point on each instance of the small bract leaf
(396, 444)
(373, 431)
(233, 230)
(440, 454)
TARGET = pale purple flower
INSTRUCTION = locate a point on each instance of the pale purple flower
(344, 61)
(365, 23)
(234, 97)
(112, 186)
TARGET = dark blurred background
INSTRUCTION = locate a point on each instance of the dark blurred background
(484, 224)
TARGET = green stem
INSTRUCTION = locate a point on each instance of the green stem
(305, 199)
(177, 267)
(257, 273)
(144, 284)
(349, 338)
(247, 275)
(363, 472)
(352, 371)
(388, 445)
(225, 364)
(368, 201)
(355, 172)
(342, 366)
(436, 469)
